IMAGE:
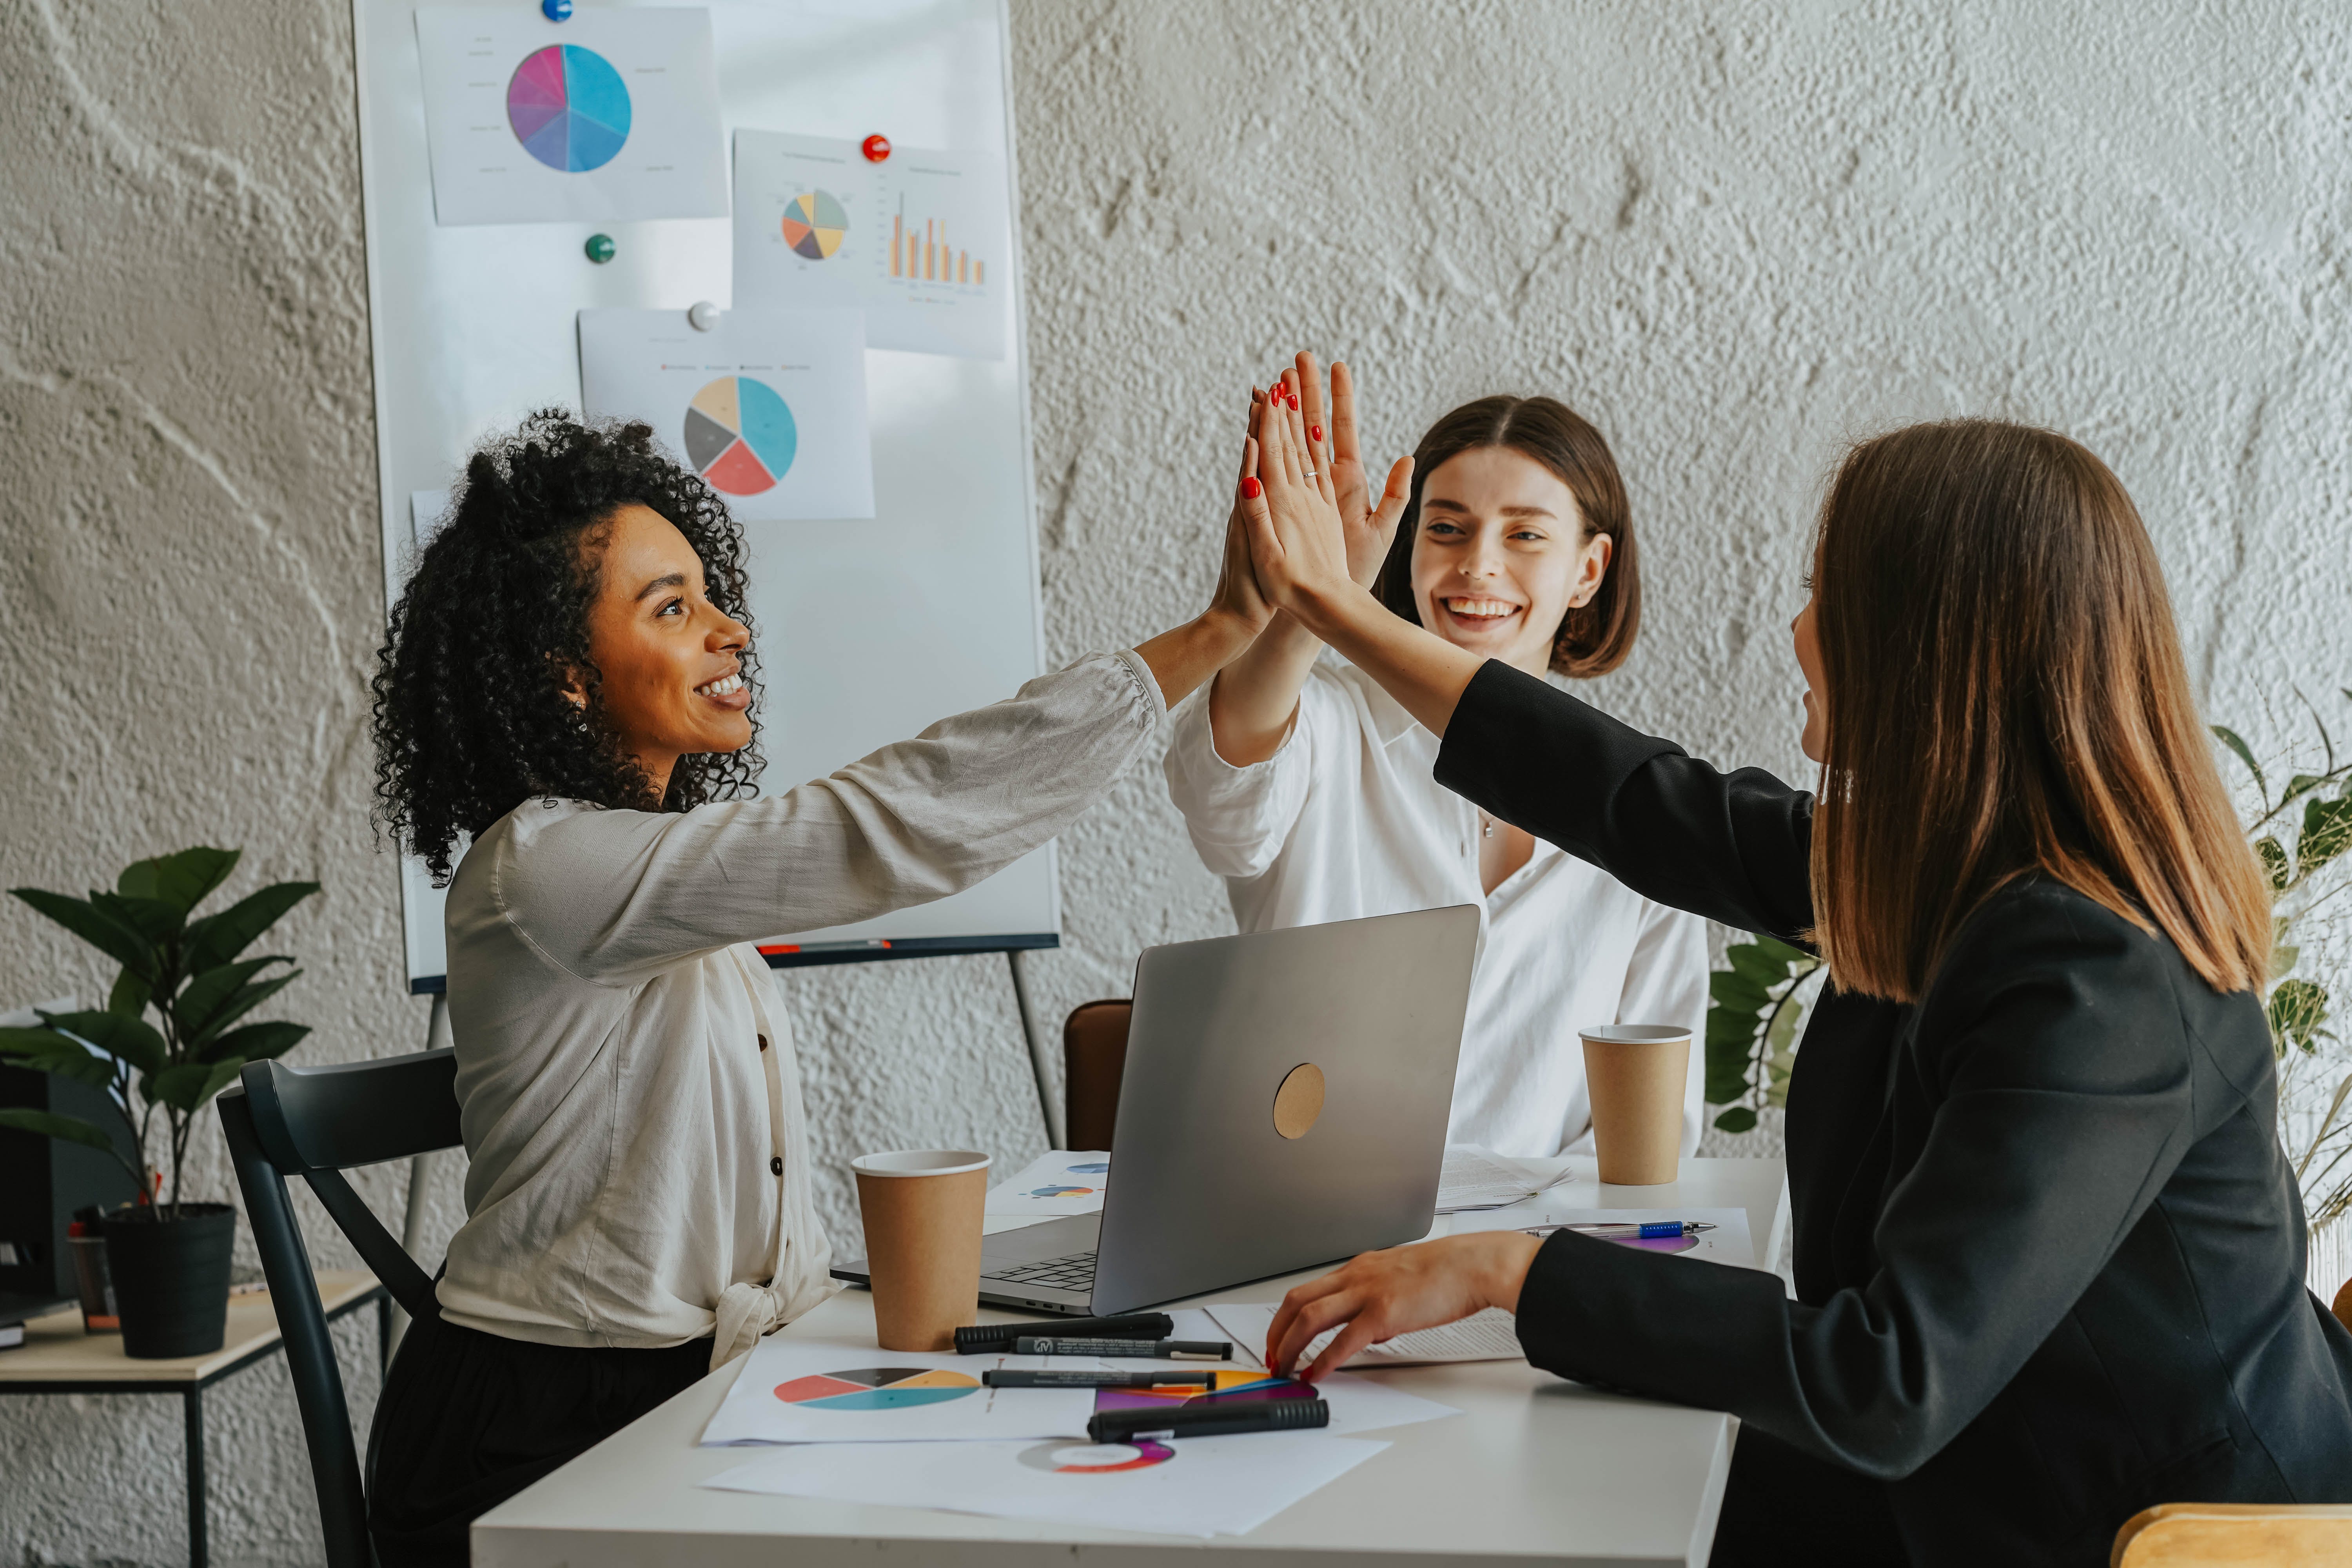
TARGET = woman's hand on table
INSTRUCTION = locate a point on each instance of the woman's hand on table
(1383, 1294)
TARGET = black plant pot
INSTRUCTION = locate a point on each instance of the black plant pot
(171, 1278)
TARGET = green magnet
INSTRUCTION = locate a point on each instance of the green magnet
(599, 249)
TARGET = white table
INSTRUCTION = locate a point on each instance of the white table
(1534, 1468)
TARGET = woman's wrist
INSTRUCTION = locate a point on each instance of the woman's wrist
(1506, 1274)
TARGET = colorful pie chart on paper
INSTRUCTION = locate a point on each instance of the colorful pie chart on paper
(1099, 1168)
(739, 435)
(815, 224)
(1054, 1192)
(568, 107)
(877, 1388)
(1096, 1459)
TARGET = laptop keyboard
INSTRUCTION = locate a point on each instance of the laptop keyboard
(1075, 1272)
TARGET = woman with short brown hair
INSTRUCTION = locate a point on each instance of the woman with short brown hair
(2049, 1256)
(1308, 790)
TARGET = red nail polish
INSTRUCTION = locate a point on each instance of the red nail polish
(1251, 488)
(1315, 431)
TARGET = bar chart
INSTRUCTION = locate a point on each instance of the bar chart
(926, 257)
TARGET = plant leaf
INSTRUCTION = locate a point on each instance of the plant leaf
(1739, 1119)
(1774, 947)
(186, 1087)
(2245, 754)
(244, 1000)
(2272, 855)
(45, 1050)
(255, 1042)
(2297, 1008)
(152, 919)
(215, 940)
(1757, 964)
(129, 996)
(119, 943)
(212, 990)
(49, 1125)
(1736, 992)
(132, 1040)
(182, 880)
(2326, 834)
(2302, 784)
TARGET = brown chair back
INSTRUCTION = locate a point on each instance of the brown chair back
(2343, 1305)
(1094, 1057)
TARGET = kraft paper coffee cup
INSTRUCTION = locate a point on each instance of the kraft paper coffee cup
(922, 1213)
(1636, 1073)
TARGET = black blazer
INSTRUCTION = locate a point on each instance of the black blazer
(2049, 1256)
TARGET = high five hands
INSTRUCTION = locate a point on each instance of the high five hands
(1314, 531)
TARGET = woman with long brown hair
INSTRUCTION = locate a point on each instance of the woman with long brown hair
(2049, 1256)
(1309, 791)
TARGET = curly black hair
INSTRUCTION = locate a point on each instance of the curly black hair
(471, 718)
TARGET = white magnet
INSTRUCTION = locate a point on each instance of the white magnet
(702, 316)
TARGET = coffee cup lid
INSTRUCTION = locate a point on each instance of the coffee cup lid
(919, 1162)
(1635, 1033)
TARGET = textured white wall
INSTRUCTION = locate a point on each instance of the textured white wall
(1733, 236)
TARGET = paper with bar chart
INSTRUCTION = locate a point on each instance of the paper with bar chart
(611, 115)
(769, 406)
(919, 241)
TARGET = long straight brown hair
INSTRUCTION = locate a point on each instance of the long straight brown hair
(2005, 694)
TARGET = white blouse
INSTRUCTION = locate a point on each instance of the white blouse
(1345, 820)
(625, 1075)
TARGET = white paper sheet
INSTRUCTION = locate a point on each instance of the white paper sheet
(1206, 1487)
(1477, 1178)
(1729, 1242)
(1490, 1335)
(803, 1389)
(1058, 1181)
(612, 114)
(768, 406)
(918, 241)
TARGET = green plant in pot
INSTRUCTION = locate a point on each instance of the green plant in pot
(169, 1257)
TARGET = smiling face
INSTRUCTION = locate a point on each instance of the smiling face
(1501, 556)
(669, 658)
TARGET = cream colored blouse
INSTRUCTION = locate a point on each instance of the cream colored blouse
(625, 1074)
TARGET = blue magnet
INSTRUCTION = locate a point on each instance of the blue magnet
(555, 10)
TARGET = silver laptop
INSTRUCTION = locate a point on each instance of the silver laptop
(1284, 1104)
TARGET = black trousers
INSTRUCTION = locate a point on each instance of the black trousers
(1781, 1507)
(468, 1419)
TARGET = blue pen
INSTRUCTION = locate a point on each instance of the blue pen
(1645, 1231)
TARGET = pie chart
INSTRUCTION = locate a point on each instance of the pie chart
(739, 435)
(568, 107)
(815, 224)
(1096, 1459)
(877, 1388)
(1232, 1388)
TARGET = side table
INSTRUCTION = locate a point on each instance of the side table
(58, 1357)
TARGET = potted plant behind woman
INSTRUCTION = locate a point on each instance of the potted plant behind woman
(168, 1258)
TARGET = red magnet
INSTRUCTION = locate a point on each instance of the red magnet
(875, 148)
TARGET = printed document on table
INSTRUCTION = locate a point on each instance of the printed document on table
(796, 1388)
(1476, 1178)
(612, 114)
(1490, 1335)
(769, 406)
(921, 241)
(1058, 1181)
(1208, 1486)
(1728, 1242)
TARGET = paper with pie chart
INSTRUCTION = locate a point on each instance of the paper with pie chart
(611, 115)
(769, 406)
(1058, 1181)
(919, 241)
(838, 1390)
(1209, 1486)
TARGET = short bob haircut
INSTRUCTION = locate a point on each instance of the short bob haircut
(2006, 696)
(1594, 637)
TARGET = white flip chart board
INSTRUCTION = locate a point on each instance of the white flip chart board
(868, 631)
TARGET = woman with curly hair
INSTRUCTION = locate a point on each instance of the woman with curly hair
(568, 683)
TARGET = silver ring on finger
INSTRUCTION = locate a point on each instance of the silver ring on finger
(1308, 472)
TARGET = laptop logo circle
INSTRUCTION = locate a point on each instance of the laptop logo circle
(1299, 1100)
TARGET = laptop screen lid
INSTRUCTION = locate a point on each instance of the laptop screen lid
(1284, 1103)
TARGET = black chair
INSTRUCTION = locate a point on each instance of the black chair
(317, 1123)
